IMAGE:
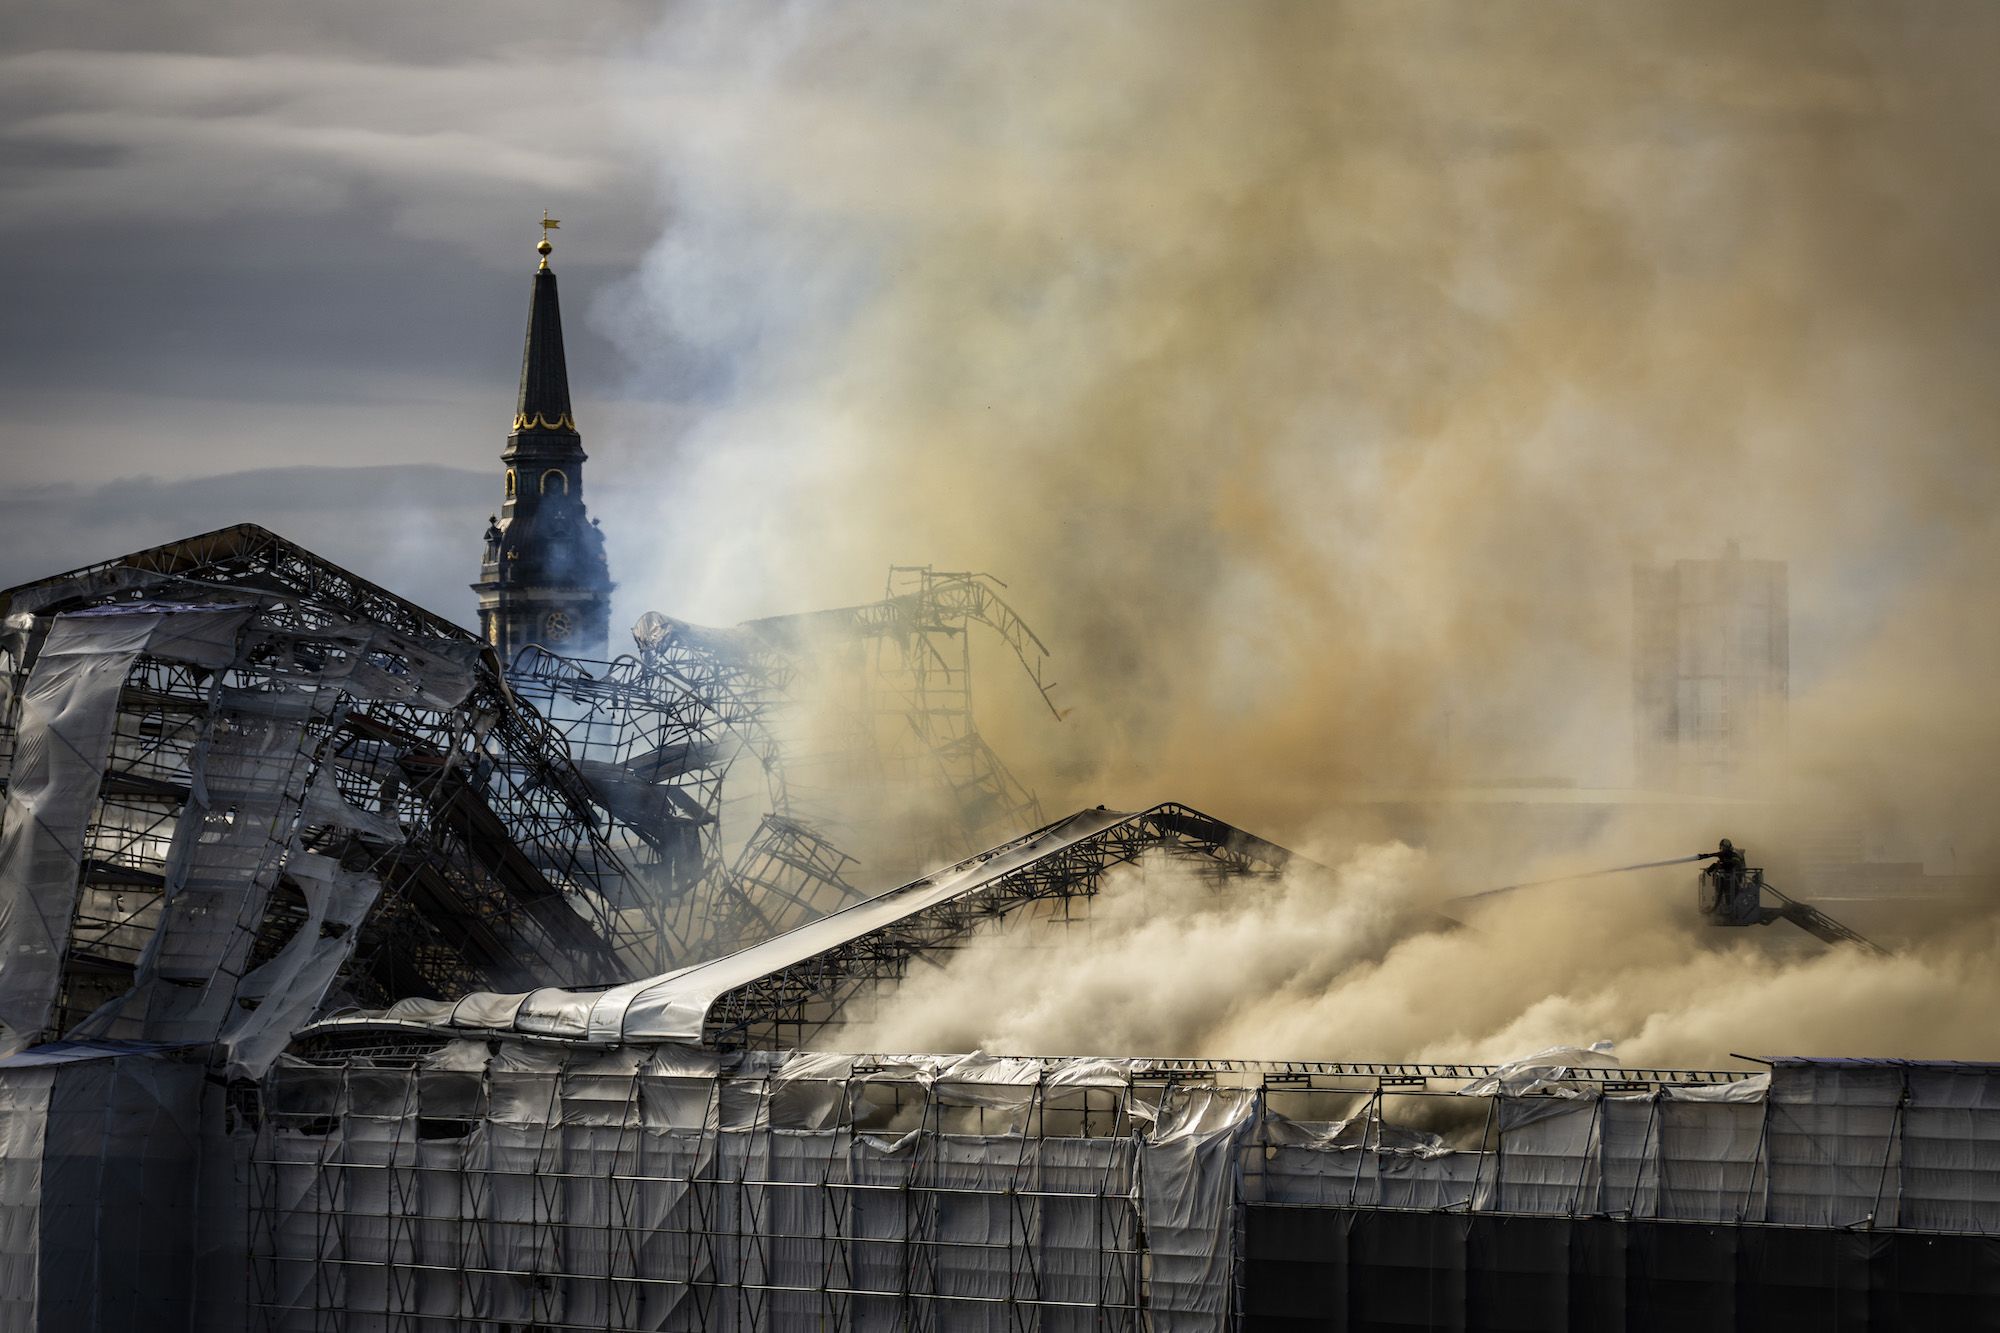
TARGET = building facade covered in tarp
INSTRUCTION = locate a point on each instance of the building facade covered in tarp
(461, 1184)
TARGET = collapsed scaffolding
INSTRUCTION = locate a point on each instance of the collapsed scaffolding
(829, 974)
(245, 788)
(847, 722)
(244, 784)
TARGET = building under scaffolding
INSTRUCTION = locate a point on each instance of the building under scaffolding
(358, 972)
(366, 812)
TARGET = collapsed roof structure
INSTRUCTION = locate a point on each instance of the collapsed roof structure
(243, 782)
(246, 786)
(788, 989)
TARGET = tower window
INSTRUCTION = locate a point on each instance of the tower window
(510, 483)
(555, 479)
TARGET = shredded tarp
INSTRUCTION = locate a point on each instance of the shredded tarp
(68, 712)
(1545, 1070)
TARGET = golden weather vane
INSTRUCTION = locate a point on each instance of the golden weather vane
(542, 247)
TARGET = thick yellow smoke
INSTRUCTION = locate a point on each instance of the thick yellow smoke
(1352, 967)
(1316, 373)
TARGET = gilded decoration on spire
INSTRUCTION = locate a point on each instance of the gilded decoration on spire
(543, 404)
(542, 247)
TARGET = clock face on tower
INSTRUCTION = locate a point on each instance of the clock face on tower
(556, 626)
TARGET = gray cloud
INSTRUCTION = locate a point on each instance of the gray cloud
(270, 263)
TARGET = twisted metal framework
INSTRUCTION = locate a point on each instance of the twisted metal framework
(791, 1005)
(923, 674)
(912, 719)
(656, 737)
(398, 757)
(560, 821)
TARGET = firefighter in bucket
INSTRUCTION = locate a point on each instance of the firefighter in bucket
(1731, 892)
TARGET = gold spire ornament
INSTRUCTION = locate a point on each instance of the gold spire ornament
(542, 247)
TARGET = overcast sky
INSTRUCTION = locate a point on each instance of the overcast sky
(245, 239)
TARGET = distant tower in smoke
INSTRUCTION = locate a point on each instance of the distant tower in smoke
(1711, 671)
(543, 578)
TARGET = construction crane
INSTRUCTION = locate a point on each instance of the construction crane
(1729, 892)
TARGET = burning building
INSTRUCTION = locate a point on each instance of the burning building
(363, 972)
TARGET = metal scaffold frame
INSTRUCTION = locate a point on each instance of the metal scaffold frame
(664, 1188)
(659, 735)
(294, 770)
(791, 1005)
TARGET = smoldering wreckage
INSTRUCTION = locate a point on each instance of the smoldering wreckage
(357, 971)
(354, 981)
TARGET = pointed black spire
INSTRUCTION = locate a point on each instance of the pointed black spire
(542, 572)
(544, 400)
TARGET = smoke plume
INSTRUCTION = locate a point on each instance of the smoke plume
(1315, 374)
(1356, 968)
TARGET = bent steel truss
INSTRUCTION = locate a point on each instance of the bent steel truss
(785, 990)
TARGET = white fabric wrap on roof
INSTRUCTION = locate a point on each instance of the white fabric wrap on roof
(674, 1006)
(69, 709)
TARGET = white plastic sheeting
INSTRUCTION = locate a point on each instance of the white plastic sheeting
(97, 1182)
(1684, 1152)
(256, 792)
(1815, 1143)
(1950, 1161)
(674, 1005)
(1885, 1145)
(1545, 1069)
(1187, 1177)
(648, 1188)
(229, 848)
(668, 1187)
(68, 711)
(276, 999)
(1361, 1162)
(258, 789)
(671, 1187)
(24, 1104)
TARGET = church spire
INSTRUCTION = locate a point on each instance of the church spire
(542, 575)
(543, 403)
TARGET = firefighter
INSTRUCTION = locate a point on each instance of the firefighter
(1726, 876)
